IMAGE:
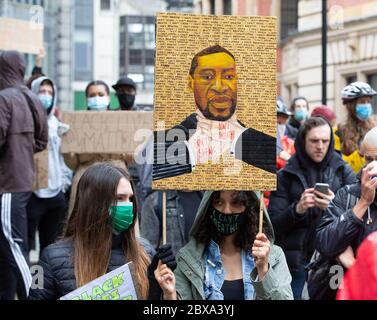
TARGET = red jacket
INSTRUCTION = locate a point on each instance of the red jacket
(360, 282)
(288, 145)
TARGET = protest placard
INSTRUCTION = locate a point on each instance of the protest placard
(116, 285)
(41, 170)
(115, 132)
(23, 36)
(215, 103)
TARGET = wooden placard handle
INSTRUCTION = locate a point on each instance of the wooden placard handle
(261, 212)
(164, 217)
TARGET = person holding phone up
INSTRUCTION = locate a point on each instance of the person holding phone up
(296, 206)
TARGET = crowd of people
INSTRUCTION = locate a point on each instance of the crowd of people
(99, 211)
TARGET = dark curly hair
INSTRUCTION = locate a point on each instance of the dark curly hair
(205, 231)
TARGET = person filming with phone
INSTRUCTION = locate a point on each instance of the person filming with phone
(352, 215)
(298, 203)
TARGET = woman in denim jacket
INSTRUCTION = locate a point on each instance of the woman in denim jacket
(226, 258)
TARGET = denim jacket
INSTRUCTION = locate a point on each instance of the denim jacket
(198, 279)
(215, 273)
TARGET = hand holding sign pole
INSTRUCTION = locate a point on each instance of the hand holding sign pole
(164, 217)
(261, 213)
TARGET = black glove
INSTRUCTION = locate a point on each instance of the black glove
(165, 254)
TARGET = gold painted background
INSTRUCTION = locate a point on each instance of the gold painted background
(252, 40)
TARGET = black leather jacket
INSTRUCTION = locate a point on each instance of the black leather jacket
(340, 228)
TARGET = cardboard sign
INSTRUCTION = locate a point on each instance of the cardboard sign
(41, 170)
(215, 103)
(23, 36)
(116, 285)
(109, 132)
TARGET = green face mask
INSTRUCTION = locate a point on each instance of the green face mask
(122, 215)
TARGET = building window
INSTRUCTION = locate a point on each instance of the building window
(135, 56)
(212, 6)
(350, 79)
(227, 5)
(179, 5)
(82, 61)
(149, 57)
(105, 5)
(137, 49)
(83, 40)
(289, 18)
(372, 80)
(150, 41)
(83, 13)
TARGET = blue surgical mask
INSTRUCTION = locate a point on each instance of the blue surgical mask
(363, 111)
(98, 103)
(301, 114)
(46, 100)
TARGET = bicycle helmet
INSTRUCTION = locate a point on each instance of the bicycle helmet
(357, 90)
(281, 107)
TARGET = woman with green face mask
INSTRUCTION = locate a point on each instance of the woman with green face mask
(100, 237)
(226, 258)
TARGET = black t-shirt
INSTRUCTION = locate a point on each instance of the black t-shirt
(233, 290)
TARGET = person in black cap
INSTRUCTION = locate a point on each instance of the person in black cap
(286, 134)
(126, 92)
(283, 115)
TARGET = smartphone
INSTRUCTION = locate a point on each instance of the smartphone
(322, 187)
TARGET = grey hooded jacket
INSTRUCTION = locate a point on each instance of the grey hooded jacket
(276, 285)
(59, 175)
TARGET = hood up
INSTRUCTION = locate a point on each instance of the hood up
(267, 225)
(12, 69)
(36, 85)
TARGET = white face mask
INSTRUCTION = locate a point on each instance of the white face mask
(98, 103)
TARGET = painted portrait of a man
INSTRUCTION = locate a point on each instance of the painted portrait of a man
(213, 129)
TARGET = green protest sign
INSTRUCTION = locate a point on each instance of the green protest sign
(115, 285)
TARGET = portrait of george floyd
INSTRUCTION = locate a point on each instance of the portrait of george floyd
(214, 146)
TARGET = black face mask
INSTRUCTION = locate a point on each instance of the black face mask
(126, 101)
(227, 224)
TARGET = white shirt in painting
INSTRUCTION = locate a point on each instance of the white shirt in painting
(214, 138)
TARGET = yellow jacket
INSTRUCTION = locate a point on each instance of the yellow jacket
(355, 159)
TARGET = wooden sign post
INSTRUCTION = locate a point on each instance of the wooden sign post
(261, 213)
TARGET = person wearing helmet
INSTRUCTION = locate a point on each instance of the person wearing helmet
(283, 115)
(357, 98)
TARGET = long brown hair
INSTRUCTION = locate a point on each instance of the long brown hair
(90, 227)
(353, 130)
